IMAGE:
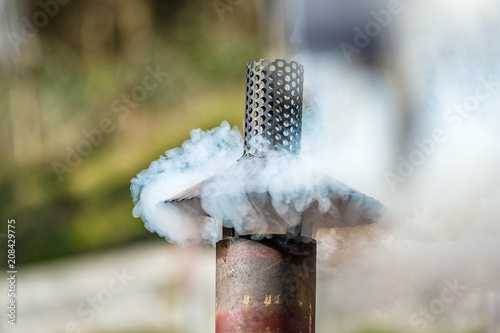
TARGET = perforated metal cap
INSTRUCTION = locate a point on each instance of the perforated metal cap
(273, 122)
(273, 114)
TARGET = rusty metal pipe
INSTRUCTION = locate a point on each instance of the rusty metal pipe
(266, 285)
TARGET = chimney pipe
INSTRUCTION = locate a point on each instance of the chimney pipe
(266, 272)
(268, 285)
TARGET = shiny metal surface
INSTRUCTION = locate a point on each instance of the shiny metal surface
(273, 113)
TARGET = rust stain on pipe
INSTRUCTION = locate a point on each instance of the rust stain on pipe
(266, 286)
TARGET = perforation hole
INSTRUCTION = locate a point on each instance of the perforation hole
(273, 102)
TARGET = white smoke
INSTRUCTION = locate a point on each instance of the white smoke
(442, 194)
(255, 196)
(201, 157)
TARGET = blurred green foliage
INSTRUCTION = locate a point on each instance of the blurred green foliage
(63, 82)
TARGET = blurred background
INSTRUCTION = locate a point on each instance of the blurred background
(62, 83)
(92, 91)
(59, 78)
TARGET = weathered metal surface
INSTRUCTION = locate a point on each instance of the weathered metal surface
(348, 207)
(266, 285)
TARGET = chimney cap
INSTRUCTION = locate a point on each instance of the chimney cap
(269, 132)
